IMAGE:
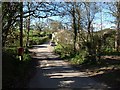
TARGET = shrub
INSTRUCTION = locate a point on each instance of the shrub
(63, 50)
(79, 58)
(58, 49)
(38, 40)
(14, 71)
(26, 57)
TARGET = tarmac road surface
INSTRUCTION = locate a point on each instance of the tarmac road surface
(53, 72)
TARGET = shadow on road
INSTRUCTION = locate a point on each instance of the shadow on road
(62, 76)
(53, 72)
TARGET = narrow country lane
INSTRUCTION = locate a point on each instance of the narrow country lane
(52, 72)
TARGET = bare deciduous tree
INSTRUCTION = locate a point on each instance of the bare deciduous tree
(114, 8)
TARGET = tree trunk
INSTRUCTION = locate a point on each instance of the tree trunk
(21, 27)
(75, 28)
(117, 37)
(28, 26)
(21, 24)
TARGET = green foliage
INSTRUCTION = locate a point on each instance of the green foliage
(110, 53)
(12, 38)
(63, 50)
(35, 37)
(66, 52)
(14, 70)
(11, 50)
(42, 34)
(107, 49)
(38, 40)
(12, 10)
(90, 51)
(26, 57)
(79, 58)
(58, 49)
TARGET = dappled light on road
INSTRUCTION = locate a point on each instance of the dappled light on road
(53, 72)
(66, 74)
(66, 83)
